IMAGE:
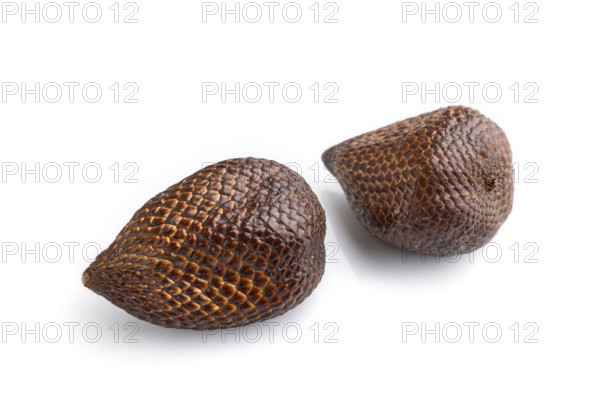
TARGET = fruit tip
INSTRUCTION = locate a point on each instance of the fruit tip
(330, 158)
(86, 278)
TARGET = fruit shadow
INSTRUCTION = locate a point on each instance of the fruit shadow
(371, 258)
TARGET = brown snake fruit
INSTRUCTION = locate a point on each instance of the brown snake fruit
(235, 243)
(440, 183)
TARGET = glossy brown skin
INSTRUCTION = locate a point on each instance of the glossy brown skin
(440, 183)
(236, 243)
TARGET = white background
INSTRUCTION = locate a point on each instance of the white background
(369, 293)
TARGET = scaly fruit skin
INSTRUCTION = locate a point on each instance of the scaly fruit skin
(440, 183)
(236, 243)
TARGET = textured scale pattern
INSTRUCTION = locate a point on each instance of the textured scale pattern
(440, 183)
(236, 243)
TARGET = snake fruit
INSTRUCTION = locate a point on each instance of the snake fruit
(236, 243)
(440, 183)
